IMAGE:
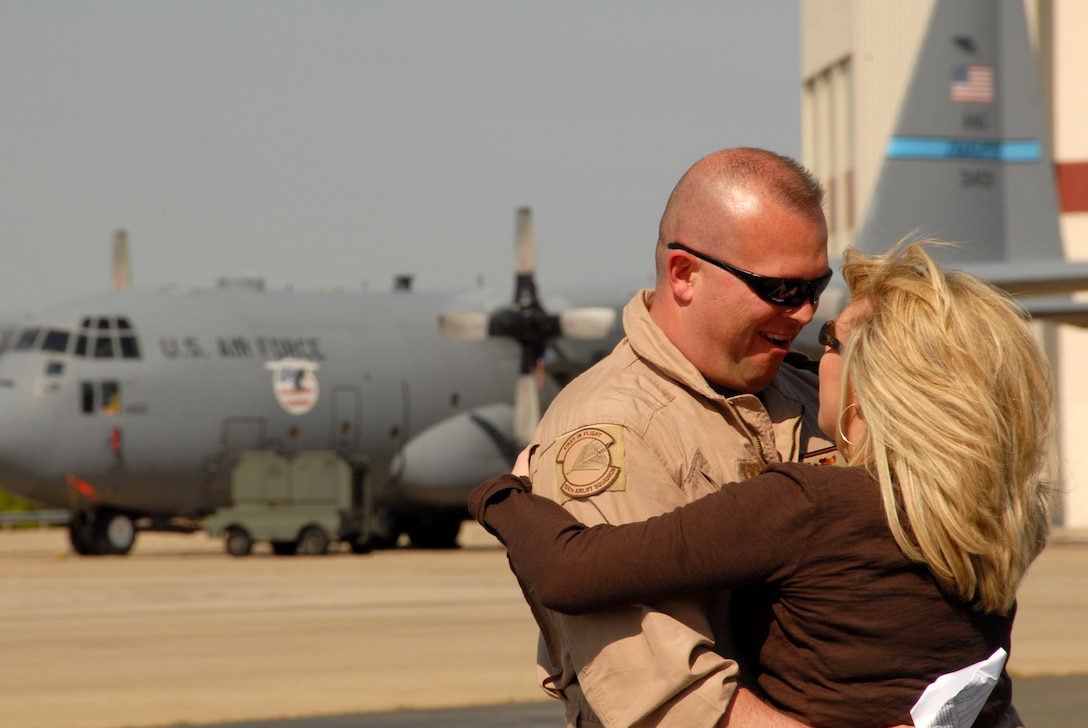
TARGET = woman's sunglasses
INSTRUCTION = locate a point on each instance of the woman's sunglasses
(827, 336)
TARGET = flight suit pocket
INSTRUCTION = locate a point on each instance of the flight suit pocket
(701, 479)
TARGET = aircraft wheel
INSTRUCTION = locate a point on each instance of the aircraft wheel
(238, 542)
(385, 529)
(284, 548)
(79, 534)
(112, 533)
(435, 532)
(313, 541)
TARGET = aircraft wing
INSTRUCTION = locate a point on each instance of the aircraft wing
(1059, 309)
(1033, 277)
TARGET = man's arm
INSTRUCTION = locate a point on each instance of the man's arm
(748, 711)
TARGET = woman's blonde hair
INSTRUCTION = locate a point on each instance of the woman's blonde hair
(956, 396)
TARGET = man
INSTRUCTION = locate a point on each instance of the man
(697, 395)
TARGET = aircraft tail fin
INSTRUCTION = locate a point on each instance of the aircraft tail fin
(970, 161)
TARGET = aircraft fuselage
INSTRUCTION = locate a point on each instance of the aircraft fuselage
(141, 401)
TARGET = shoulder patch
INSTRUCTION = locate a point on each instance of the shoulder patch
(826, 456)
(591, 460)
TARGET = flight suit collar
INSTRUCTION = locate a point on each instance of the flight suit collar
(651, 345)
(773, 419)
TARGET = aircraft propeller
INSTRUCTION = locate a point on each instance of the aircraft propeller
(526, 322)
(122, 270)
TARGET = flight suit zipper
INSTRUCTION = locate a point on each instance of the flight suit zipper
(753, 432)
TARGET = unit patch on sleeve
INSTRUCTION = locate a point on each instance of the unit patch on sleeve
(591, 460)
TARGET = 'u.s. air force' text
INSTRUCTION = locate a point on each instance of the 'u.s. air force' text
(266, 348)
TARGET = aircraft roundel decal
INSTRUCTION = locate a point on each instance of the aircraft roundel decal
(295, 384)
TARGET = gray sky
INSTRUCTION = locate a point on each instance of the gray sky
(339, 143)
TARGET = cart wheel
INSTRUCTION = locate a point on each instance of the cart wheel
(238, 541)
(313, 541)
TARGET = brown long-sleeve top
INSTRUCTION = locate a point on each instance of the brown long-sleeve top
(837, 625)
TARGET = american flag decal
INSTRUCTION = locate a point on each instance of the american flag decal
(973, 84)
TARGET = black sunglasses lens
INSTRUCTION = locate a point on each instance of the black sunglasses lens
(786, 292)
(792, 292)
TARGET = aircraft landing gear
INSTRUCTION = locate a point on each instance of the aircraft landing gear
(79, 533)
(431, 531)
(102, 532)
(384, 531)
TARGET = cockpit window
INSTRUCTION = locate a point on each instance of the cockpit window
(54, 368)
(27, 339)
(107, 337)
(103, 348)
(130, 347)
(100, 397)
(55, 341)
(111, 398)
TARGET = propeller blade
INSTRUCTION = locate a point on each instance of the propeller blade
(122, 270)
(525, 297)
(526, 408)
(587, 323)
(525, 247)
(526, 322)
(466, 326)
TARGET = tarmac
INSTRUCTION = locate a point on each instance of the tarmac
(179, 633)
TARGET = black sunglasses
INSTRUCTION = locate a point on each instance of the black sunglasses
(827, 336)
(789, 292)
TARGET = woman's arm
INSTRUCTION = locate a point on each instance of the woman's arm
(746, 533)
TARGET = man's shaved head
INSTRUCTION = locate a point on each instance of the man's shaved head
(729, 183)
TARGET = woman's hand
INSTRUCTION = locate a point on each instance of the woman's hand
(493, 491)
(521, 465)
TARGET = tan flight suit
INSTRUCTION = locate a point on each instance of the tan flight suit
(637, 435)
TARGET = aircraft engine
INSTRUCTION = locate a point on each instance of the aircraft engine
(526, 322)
(442, 464)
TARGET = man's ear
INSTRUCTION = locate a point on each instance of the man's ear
(680, 273)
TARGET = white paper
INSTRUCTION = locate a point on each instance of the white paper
(954, 700)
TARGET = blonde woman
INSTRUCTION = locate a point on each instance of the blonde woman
(855, 586)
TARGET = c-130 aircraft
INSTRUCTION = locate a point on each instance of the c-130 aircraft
(130, 407)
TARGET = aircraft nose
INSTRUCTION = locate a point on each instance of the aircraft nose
(28, 438)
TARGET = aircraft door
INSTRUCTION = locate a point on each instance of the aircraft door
(242, 433)
(239, 434)
(344, 426)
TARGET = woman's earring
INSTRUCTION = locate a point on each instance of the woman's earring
(841, 433)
